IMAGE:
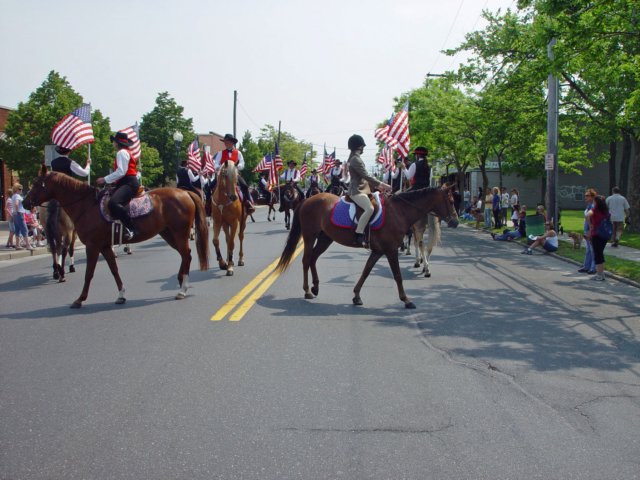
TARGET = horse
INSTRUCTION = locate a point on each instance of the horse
(270, 200)
(61, 237)
(290, 199)
(432, 223)
(229, 215)
(312, 222)
(173, 214)
(314, 189)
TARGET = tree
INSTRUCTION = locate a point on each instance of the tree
(151, 166)
(157, 128)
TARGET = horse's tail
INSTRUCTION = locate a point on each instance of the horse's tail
(292, 242)
(51, 230)
(434, 232)
(202, 232)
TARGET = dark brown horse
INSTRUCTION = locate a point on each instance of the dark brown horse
(290, 199)
(270, 199)
(61, 237)
(312, 222)
(228, 215)
(174, 211)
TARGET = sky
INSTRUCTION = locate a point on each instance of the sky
(324, 69)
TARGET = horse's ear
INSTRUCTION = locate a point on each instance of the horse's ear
(43, 170)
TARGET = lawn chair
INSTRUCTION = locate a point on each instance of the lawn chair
(535, 226)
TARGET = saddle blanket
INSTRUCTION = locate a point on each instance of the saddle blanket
(343, 214)
(138, 206)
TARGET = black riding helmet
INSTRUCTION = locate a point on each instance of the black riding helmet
(355, 142)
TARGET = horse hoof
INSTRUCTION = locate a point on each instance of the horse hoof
(357, 301)
(75, 305)
(120, 301)
(427, 275)
(409, 305)
(62, 280)
(416, 265)
(72, 269)
(268, 219)
(241, 263)
(56, 275)
(229, 273)
(180, 296)
(309, 296)
(223, 267)
(315, 290)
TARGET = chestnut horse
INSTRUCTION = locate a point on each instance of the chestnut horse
(61, 237)
(174, 211)
(229, 215)
(290, 198)
(312, 222)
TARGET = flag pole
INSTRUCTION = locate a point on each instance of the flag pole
(274, 158)
(89, 153)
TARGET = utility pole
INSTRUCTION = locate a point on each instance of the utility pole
(551, 158)
(235, 101)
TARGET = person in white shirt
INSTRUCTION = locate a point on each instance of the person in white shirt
(18, 218)
(335, 178)
(231, 153)
(619, 210)
(292, 175)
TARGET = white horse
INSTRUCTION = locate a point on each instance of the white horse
(433, 224)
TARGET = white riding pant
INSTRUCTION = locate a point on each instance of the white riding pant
(362, 200)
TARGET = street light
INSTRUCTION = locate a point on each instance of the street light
(177, 138)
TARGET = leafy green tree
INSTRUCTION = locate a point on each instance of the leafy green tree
(252, 156)
(157, 129)
(151, 166)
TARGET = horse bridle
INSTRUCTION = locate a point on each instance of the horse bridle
(448, 219)
(229, 201)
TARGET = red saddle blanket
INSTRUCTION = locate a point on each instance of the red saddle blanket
(343, 214)
(138, 206)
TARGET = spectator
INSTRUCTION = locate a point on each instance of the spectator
(520, 232)
(514, 199)
(504, 206)
(8, 208)
(18, 218)
(597, 214)
(488, 202)
(548, 240)
(619, 208)
(457, 199)
(588, 265)
(496, 207)
(33, 225)
(466, 198)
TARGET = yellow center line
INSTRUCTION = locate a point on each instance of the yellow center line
(239, 297)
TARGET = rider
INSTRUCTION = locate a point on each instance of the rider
(124, 176)
(419, 173)
(63, 164)
(291, 175)
(395, 178)
(230, 152)
(186, 179)
(263, 185)
(314, 180)
(361, 185)
(335, 175)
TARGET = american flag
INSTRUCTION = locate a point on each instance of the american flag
(132, 134)
(209, 167)
(304, 168)
(264, 164)
(74, 129)
(277, 159)
(382, 133)
(399, 131)
(328, 161)
(385, 157)
(194, 161)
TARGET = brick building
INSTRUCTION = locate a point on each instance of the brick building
(7, 177)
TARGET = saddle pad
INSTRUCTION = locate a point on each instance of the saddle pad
(343, 214)
(138, 207)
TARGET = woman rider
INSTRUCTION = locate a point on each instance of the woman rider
(361, 185)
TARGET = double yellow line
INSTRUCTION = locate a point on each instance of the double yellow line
(254, 289)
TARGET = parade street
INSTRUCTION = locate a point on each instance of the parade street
(511, 367)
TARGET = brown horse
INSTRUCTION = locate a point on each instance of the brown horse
(173, 214)
(229, 215)
(61, 237)
(312, 221)
(269, 200)
(290, 199)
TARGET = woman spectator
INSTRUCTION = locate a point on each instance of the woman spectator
(599, 212)
(488, 202)
(588, 265)
(549, 240)
(514, 201)
(495, 207)
(33, 225)
(8, 208)
(519, 232)
(18, 218)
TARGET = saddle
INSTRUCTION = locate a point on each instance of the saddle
(139, 206)
(345, 213)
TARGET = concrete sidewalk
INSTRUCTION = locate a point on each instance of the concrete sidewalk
(12, 254)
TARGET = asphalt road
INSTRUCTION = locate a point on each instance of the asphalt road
(511, 367)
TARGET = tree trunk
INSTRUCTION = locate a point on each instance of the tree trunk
(625, 165)
(634, 187)
(613, 150)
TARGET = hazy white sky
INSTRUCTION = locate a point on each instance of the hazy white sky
(326, 69)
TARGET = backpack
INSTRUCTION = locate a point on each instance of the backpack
(605, 228)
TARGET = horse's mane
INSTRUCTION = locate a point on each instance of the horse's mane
(412, 195)
(69, 183)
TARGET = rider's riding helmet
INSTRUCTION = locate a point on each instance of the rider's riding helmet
(355, 142)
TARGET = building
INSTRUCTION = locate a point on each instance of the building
(212, 139)
(7, 177)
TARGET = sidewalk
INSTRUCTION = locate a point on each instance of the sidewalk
(12, 254)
